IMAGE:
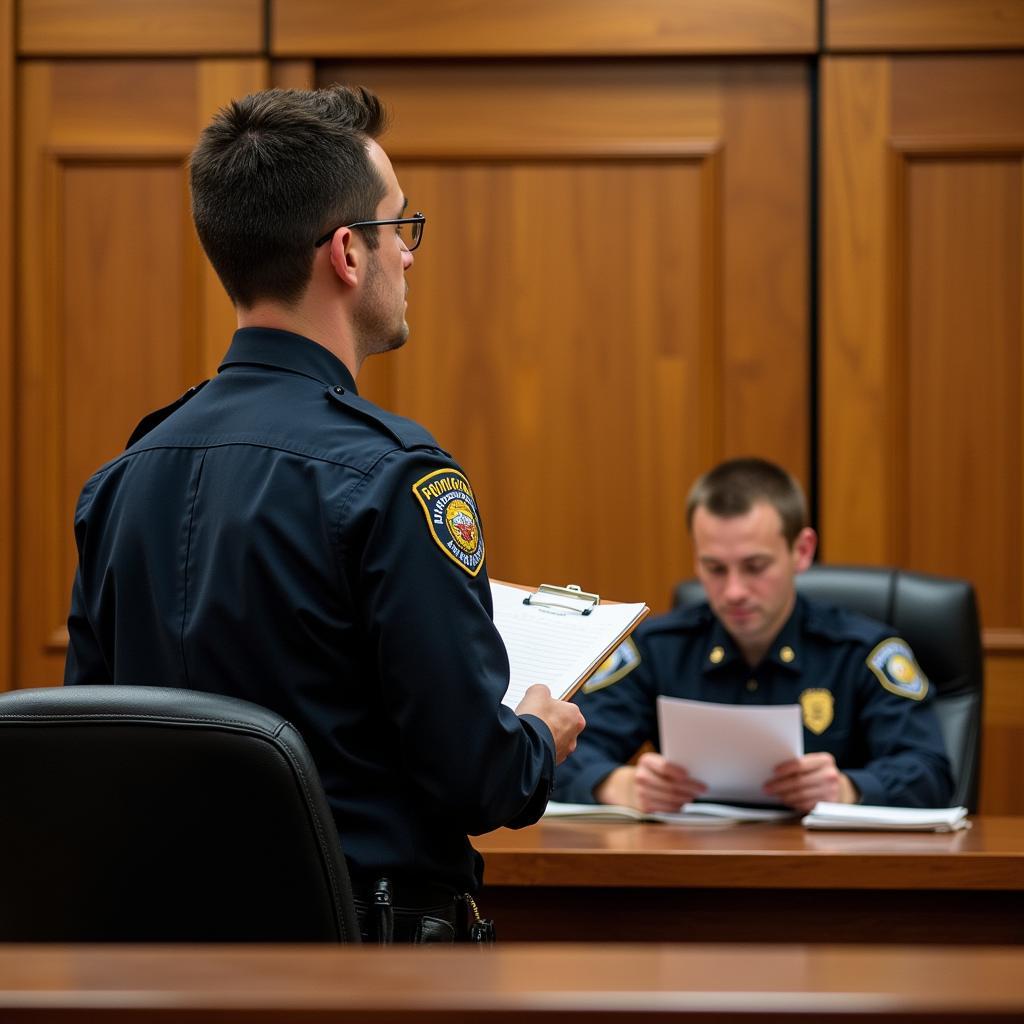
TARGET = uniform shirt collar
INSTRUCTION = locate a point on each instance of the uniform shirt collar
(282, 350)
(785, 650)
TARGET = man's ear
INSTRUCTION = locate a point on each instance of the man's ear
(347, 256)
(804, 546)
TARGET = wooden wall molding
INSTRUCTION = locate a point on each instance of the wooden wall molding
(1003, 641)
(881, 25)
(956, 146)
(541, 28)
(49, 28)
(556, 149)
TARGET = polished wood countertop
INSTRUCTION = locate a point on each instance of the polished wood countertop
(505, 984)
(988, 856)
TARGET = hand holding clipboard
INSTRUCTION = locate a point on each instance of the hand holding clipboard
(557, 636)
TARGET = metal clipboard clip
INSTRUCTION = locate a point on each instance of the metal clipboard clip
(570, 598)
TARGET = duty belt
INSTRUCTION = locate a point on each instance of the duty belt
(419, 914)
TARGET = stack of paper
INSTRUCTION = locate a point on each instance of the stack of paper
(896, 819)
(699, 813)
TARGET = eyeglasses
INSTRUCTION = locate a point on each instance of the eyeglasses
(408, 229)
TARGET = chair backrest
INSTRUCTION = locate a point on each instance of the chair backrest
(938, 617)
(136, 813)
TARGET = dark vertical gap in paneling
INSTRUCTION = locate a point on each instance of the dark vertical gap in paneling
(267, 10)
(11, 13)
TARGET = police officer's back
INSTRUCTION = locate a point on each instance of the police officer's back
(276, 537)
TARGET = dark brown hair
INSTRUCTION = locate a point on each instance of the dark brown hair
(274, 171)
(733, 488)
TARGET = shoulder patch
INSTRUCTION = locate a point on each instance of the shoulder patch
(893, 663)
(450, 509)
(616, 666)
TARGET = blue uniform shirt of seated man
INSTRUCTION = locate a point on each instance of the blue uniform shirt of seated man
(870, 734)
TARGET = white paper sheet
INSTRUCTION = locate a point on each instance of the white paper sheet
(884, 819)
(551, 645)
(697, 814)
(731, 748)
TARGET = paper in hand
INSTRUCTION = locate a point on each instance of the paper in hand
(733, 749)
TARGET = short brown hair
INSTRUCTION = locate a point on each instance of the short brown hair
(733, 488)
(274, 171)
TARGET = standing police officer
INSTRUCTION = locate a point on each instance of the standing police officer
(869, 731)
(275, 537)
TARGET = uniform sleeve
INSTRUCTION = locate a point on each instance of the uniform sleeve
(442, 665)
(906, 763)
(620, 710)
(84, 663)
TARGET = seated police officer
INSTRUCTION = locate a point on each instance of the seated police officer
(276, 537)
(870, 735)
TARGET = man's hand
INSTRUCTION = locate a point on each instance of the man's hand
(565, 720)
(653, 784)
(803, 781)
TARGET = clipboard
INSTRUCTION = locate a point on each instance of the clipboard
(558, 635)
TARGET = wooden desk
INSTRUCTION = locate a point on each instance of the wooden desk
(536, 984)
(577, 882)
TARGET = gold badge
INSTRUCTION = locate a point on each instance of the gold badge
(716, 655)
(817, 705)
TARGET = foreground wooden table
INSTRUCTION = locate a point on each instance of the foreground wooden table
(538, 984)
(565, 881)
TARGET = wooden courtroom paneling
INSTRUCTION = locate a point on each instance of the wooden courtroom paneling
(108, 27)
(119, 312)
(7, 135)
(293, 74)
(610, 295)
(924, 24)
(1002, 764)
(921, 357)
(473, 28)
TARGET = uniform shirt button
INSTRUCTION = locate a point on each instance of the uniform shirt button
(751, 685)
(338, 389)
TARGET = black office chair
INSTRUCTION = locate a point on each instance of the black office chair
(137, 814)
(938, 617)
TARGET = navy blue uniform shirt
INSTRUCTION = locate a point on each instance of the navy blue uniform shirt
(280, 539)
(863, 699)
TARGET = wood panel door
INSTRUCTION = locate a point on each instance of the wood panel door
(922, 387)
(118, 310)
(611, 295)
